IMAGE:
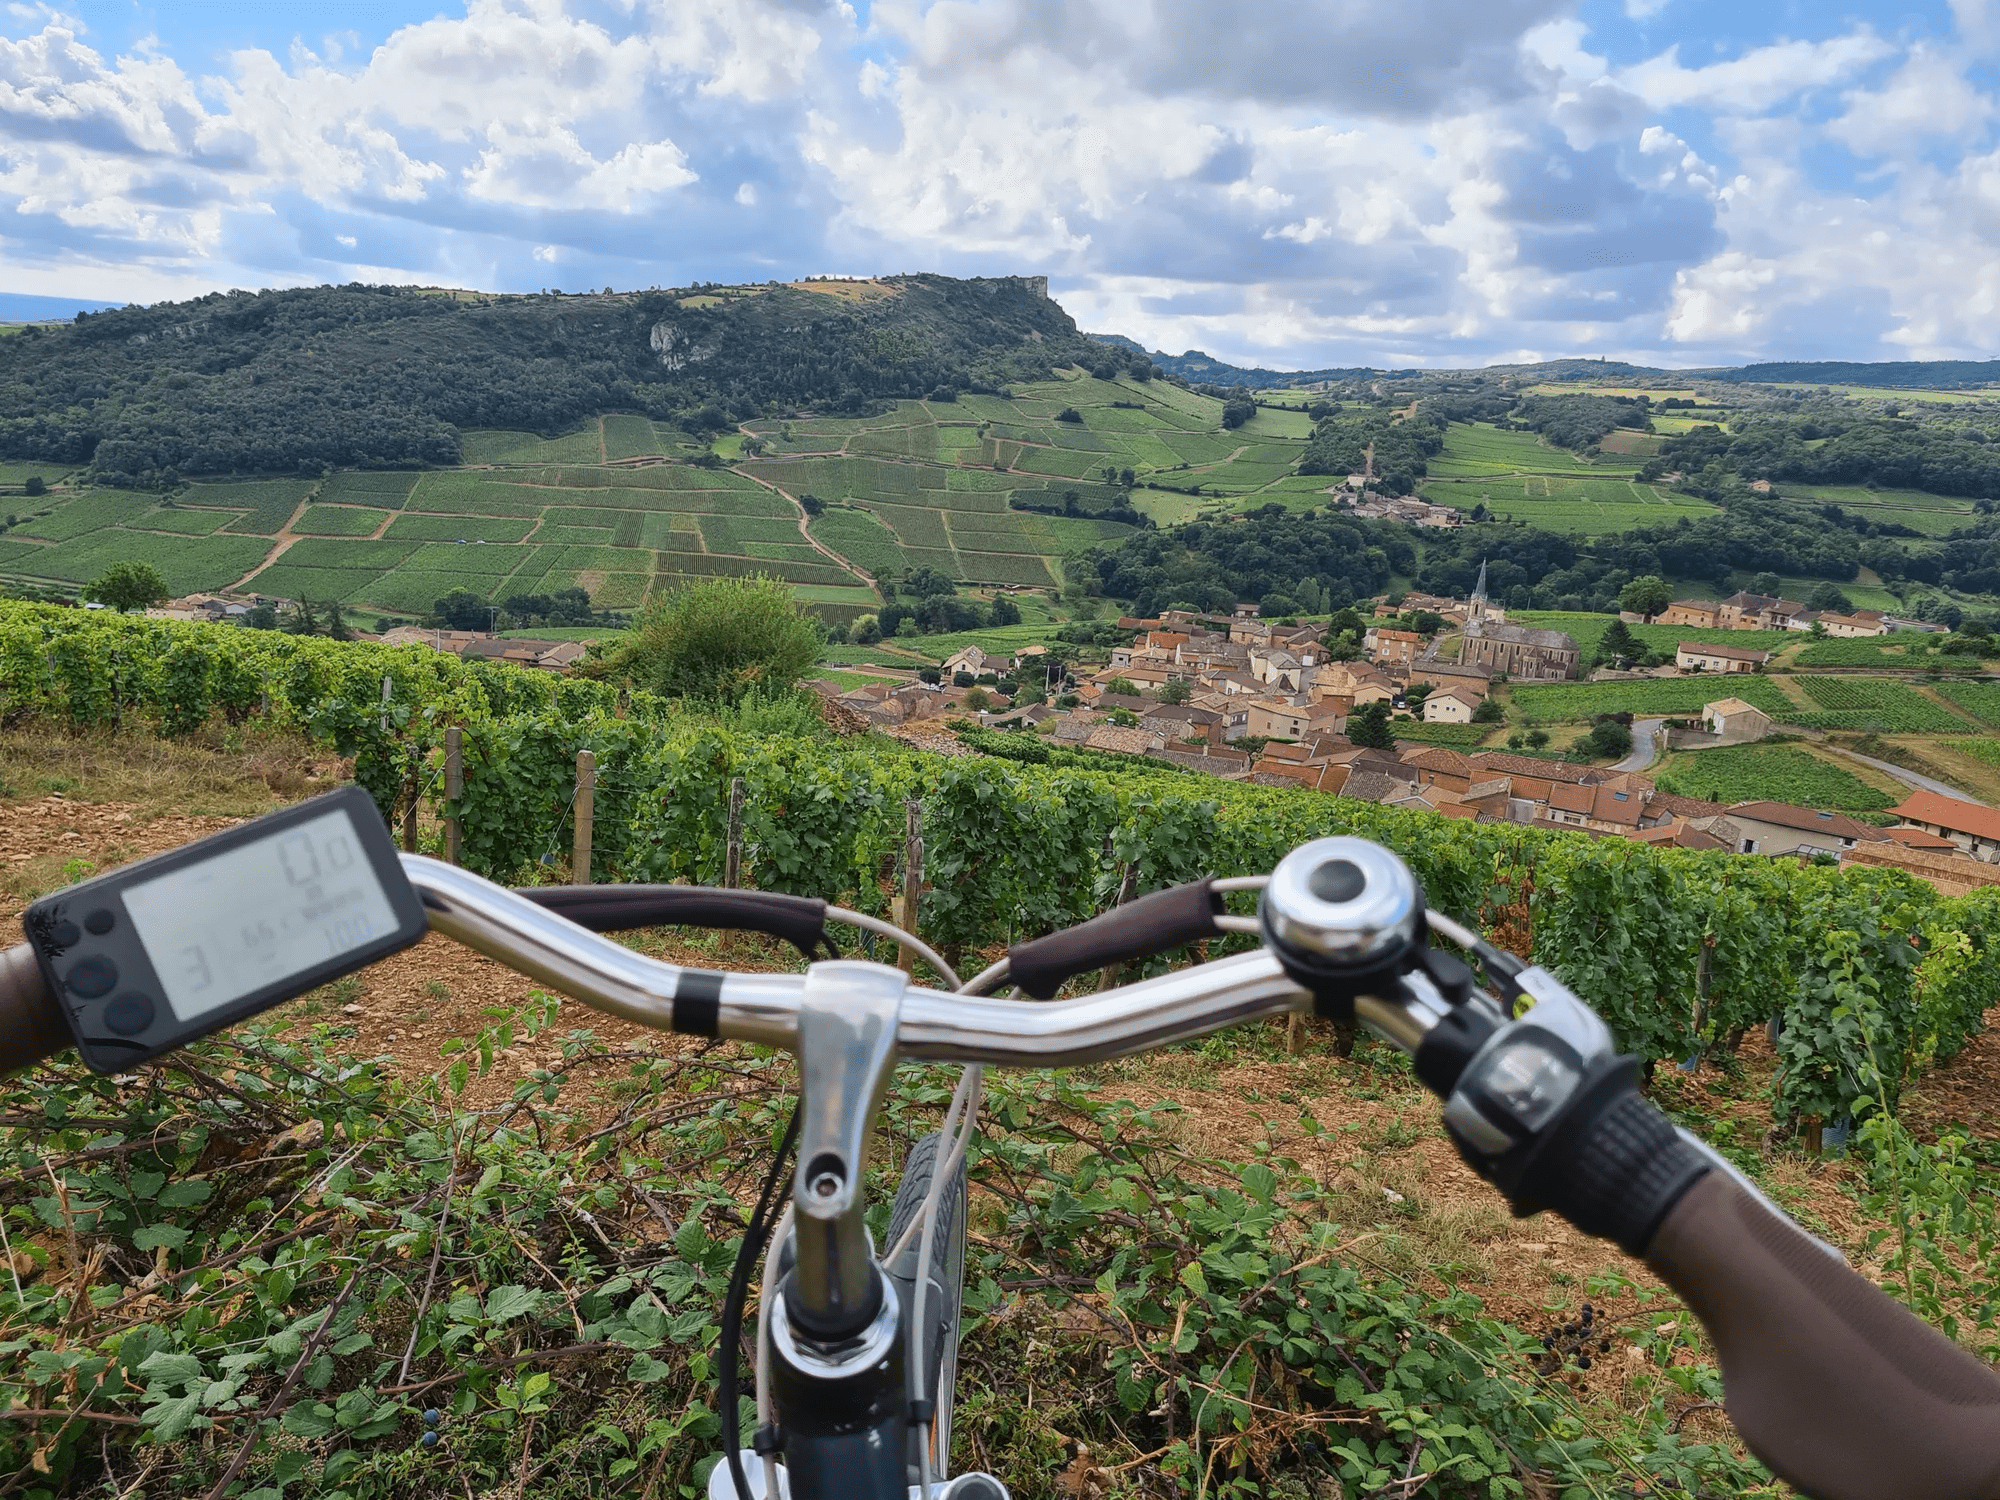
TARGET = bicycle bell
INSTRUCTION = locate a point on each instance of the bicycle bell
(1345, 917)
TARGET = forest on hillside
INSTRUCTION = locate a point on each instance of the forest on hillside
(302, 380)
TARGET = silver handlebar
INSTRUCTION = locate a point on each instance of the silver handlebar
(932, 1025)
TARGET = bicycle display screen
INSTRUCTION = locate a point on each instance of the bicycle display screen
(259, 914)
(148, 958)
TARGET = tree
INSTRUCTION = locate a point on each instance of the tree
(1618, 644)
(1536, 738)
(865, 631)
(1069, 414)
(1489, 712)
(963, 679)
(336, 625)
(1122, 687)
(1828, 596)
(1124, 718)
(1277, 606)
(928, 583)
(1177, 691)
(1414, 695)
(34, 486)
(977, 698)
(302, 619)
(462, 610)
(1368, 725)
(1646, 595)
(1767, 583)
(126, 586)
(1006, 611)
(1236, 411)
(812, 505)
(720, 640)
(930, 675)
(260, 617)
(1608, 740)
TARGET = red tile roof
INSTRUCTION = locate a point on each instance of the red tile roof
(1949, 812)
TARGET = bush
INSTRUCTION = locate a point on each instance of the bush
(719, 640)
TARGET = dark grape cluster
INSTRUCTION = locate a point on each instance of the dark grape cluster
(1577, 1341)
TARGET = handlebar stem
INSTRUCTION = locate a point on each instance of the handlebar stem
(846, 1051)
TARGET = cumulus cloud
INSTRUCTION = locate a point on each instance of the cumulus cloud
(1402, 181)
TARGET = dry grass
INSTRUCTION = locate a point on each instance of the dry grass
(225, 772)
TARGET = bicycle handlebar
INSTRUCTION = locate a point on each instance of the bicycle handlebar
(1838, 1388)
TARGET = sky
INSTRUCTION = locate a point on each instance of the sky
(1322, 183)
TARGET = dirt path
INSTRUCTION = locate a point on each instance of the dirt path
(805, 530)
(282, 543)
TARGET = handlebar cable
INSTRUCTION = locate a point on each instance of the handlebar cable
(754, 1234)
(890, 930)
(1504, 967)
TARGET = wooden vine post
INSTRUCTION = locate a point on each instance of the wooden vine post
(586, 797)
(913, 878)
(732, 852)
(454, 787)
(1128, 884)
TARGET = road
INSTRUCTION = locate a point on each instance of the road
(1909, 778)
(1645, 745)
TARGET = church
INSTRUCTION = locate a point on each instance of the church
(1523, 654)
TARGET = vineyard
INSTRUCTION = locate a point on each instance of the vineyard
(264, 1218)
(1878, 705)
(1678, 696)
(1747, 773)
(1014, 850)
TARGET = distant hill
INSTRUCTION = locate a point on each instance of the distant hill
(301, 380)
(1929, 373)
(1934, 374)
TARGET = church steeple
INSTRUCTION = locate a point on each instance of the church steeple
(1478, 610)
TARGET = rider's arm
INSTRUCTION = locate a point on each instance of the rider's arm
(31, 1024)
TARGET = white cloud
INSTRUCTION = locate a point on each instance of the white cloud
(1403, 181)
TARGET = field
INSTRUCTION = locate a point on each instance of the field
(1478, 449)
(1980, 699)
(1680, 697)
(1907, 648)
(1878, 705)
(1456, 736)
(1748, 773)
(1588, 629)
(1578, 506)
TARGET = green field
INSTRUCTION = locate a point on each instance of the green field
(1904, 648)
(1877, 705)
(1455, 736)
(1680, 697)
(1749, 773)
(340, 520)
(1588, 629)
(1473, 449)
(1980, 699)
(1578, 506)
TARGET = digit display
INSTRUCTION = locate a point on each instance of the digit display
(254, 916)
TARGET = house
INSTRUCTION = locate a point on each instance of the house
(1452, 705)
(967, 659)
(1119, 740)
(1700, 656)
(1386, 646)
(1701, 613)
(1466, 677)
(1972, 827)
(1278, 719)
(1952, 873)
(1210, 760)
(1603, 807)
(1734, 722)
(1519, 651)
(1433, 765)
(1375, 786)
(1181, 722)
(1745, 611)
(1533, 778)
(1778, 828)
(1860, 624)
(1278, 668)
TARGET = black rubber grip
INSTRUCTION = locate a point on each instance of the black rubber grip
(1611, 1163)
(1152, 924)
(798, 920)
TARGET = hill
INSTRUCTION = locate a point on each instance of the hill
(301, 380)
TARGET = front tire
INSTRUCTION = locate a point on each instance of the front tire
(943, 1297)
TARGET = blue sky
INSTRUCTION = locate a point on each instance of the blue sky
(1439, 182)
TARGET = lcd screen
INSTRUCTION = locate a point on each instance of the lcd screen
(227, 927)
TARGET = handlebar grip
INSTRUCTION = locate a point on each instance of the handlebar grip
(1838, 1388)
(31, 1021)
(1152, 924)
(798, 920)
